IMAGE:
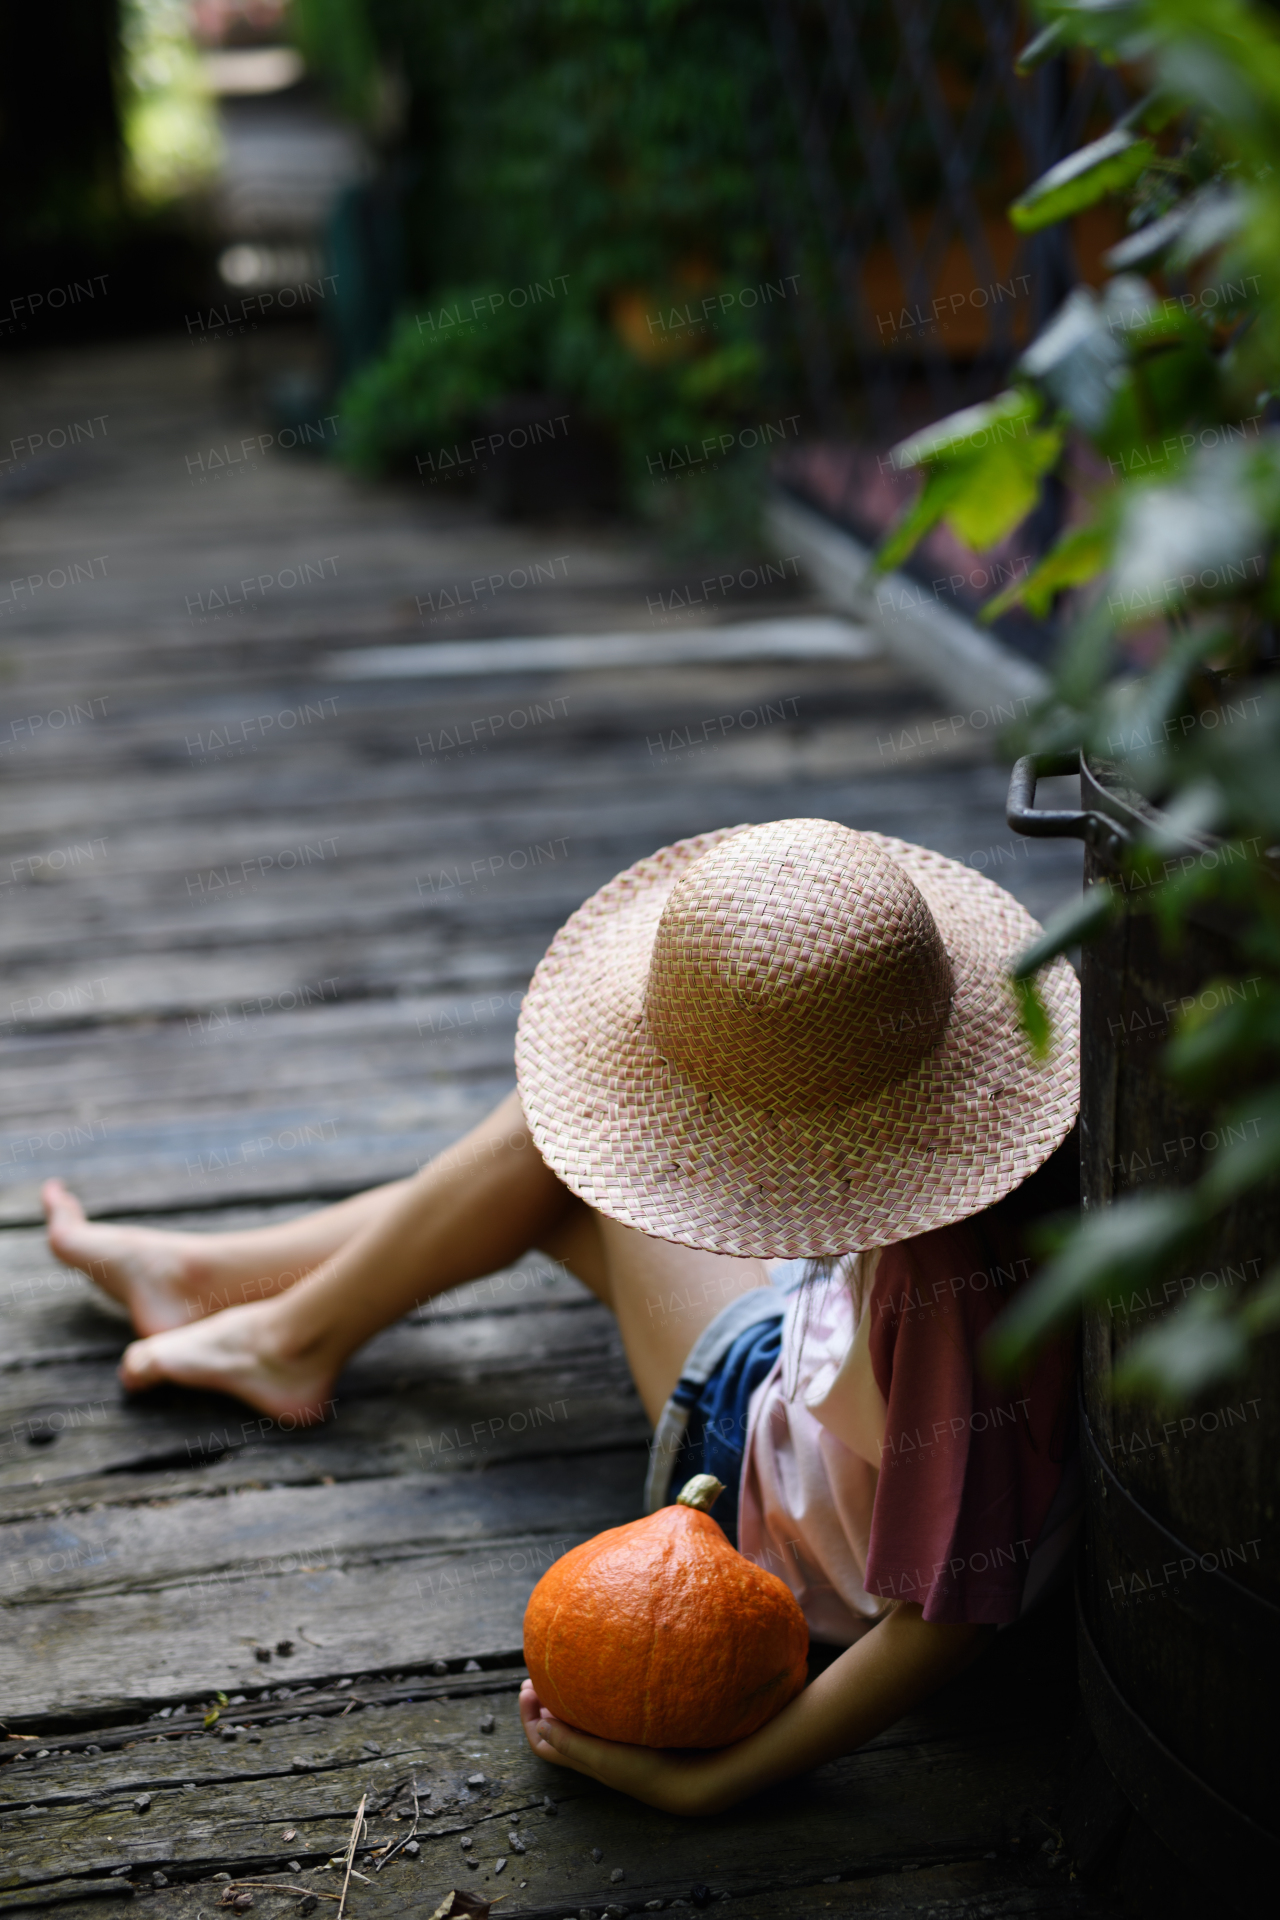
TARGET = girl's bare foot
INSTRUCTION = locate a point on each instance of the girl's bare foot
(241, 1352)
(164, 1279)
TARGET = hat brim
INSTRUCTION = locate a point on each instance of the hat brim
(636, 1139)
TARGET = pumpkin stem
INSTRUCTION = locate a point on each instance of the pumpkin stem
(701, 1492)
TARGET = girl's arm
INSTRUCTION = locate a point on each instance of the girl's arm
(873, 1683)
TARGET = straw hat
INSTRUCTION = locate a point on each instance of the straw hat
(793, 1039)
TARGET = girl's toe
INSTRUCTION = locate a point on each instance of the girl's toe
(61, 1208)
(140, 1366)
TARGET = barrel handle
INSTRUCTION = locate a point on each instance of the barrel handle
(1043, 823)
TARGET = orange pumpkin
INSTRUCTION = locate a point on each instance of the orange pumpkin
(660, 1634)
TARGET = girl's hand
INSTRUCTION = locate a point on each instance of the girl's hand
(896, 1663)
(672, 1782)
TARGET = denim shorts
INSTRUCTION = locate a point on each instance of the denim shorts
(703, 1428)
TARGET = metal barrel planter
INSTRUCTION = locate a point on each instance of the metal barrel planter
(1179, 1583)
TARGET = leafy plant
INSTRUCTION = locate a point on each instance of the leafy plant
(335, 39)
(602, 147)
(1157, 404)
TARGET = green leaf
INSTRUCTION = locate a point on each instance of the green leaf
(1110, 27)
(971, 431)
(1244, 759)
(1033, 1016)
(1215, 216)
(1245, 1163)
(1085, 662)
(1003, 487)
(1196, 72)
(1195, 811)
(1149, 242)
(1078, 555)
(1197, 225)
(1212, 1045)
(1181, 540)
(1078, 920)
(211, 1717)
(1105, 166)
(337, 42)
(982, 469)
(1177, 894)
(1101, 1259)
(1261, 1310)
(1129, 303)
(1079, 359)
(1187, 1351)
(1136, 718)
(1048, 42)
(939, 491)
(982, 493)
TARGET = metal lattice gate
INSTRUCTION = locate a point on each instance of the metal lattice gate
(910, 133)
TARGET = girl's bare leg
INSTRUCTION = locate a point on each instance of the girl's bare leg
(663, 1294)
(476, 1208)
(168, 1279)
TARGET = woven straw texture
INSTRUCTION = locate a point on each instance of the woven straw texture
(793, 1039)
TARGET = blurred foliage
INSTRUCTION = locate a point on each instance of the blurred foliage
(602, 147)
(1158, 402)
(336, 40)
(646, 152)
(170, 128)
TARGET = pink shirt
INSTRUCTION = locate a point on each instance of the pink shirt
(882, 1464)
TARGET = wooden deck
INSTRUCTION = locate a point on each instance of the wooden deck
(265, 939)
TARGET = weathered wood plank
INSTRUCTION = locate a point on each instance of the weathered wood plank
(296, 799)
(286, 733)
(86, 1656)
(294, 1150)
(574, 1400)
(292, 998)
(905, 1798)
(307, 925)
(974, 1890)
(347, 1609)
(213, 1547)
(233, 878)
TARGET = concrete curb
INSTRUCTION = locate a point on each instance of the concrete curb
(966, 666)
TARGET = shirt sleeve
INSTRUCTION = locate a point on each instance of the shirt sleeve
(968, 1466)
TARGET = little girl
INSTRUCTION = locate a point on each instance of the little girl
(763, 1057)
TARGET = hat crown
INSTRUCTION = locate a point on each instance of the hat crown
(796, 966)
